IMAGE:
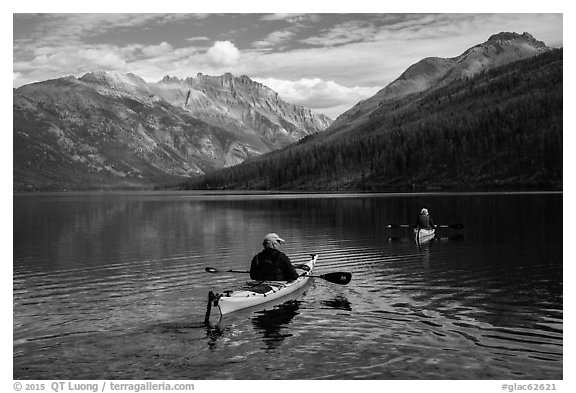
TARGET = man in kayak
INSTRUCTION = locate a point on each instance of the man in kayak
(424, 220)
(271, 264)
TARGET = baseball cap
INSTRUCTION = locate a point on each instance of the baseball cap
(273, 237)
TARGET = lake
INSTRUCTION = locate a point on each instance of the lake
(113, 286)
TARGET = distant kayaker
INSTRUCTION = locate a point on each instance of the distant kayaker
(424, 220)
(271, 264)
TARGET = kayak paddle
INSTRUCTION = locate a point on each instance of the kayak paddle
(342, 278)
(453, 226)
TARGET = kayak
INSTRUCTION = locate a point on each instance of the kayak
(422, 235)
(261, 292)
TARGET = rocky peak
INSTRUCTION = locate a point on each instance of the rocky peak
(94, 77)
(114, 83)
(246, 80)
(112, 78)
(510, 36)
(170, 79)
(227, 78)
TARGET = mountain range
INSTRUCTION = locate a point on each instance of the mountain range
(109, 130)
(489, 116)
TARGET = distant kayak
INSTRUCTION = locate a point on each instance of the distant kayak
(422, 235)
(260, 292)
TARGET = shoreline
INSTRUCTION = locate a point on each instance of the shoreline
(288, 193)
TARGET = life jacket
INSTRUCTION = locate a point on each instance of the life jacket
(268, 267)
(424, 221)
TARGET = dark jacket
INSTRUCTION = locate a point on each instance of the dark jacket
(424, 222)
(272, 265)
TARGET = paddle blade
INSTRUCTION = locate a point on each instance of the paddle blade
(396, 226)
(453, 226)
(212, 270)
(337, 277)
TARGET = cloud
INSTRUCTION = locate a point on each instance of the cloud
(50, 62)
(273, 39)
(75, 28)
(358, 64)
(326, 97)
(157, 50)
(197, 39)
(344, 33)
(291, 18)
(223, 53)
(70, 59)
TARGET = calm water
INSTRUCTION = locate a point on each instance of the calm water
(112, 286)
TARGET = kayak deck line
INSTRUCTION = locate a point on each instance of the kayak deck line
(234, 300)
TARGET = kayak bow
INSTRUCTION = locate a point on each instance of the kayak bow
(422, 235)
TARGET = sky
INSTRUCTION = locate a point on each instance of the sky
(324, 61)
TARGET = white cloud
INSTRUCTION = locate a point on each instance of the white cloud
(359, 64)
(223, 53)
(326, 97)
(102, 59)
(195, 39)
(344, 33)
(72, 59)
(52, 62)
(157, 50)
(274, 38)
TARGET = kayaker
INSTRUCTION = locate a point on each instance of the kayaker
(424, 220)
(271, 264)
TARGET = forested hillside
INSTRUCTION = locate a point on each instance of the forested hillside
(501, 128)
